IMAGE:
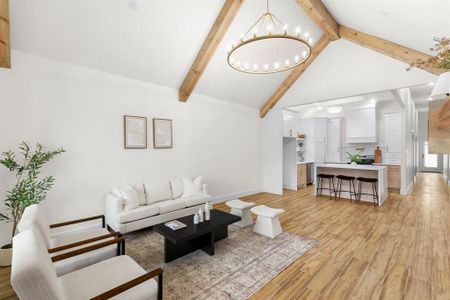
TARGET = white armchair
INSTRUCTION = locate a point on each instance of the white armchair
(34, 278)
(106, 244)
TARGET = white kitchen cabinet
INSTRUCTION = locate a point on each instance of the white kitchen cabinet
(320, 129)
(320, 139)
(361, 125)
(393, 138)
(334, 140)
(315, 130)
(290, 125)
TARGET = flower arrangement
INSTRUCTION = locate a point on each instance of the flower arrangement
(441, 60)
(356, 158)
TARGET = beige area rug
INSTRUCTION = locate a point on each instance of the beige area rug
(243, 263)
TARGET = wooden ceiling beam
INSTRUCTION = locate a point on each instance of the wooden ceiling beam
(294, 75)
(215, 36)
(5, 46)
(385, 47)
(321, 16)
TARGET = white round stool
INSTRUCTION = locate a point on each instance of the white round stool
(267, 222)
(242, 209)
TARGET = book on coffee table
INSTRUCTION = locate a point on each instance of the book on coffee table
(175, 225)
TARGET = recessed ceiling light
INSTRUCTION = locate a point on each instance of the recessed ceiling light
(431, 83)
(334, 109)
(373, 100)
(429, 99)
(319, 107)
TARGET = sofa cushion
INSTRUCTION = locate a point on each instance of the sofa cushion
(99, 278)
(196, 200)
(130, 198)
(177, 188)
(170, 205)
(139, 188)
(192, 187)
(141, 212)
(155, 192)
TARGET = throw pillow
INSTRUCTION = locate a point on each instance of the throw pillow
(130, 198)
(192, 188)
(155, 192)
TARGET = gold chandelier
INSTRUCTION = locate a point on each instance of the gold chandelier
(267, 47)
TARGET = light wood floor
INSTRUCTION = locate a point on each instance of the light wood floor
(398, 251)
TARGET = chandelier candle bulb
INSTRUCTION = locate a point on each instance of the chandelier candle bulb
(274, 49)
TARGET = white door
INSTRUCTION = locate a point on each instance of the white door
(334, 141)
(429, 162)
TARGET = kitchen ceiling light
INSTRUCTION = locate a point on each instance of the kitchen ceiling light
(334, 109)
(267, 43)
(442, 87)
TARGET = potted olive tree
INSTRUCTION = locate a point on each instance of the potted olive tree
(29, 188)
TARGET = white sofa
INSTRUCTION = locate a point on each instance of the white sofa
(158, 203)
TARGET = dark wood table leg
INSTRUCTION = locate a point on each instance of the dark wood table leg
(173, 251)
(221, 233)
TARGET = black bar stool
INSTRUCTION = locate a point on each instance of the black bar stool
(351, 182)
(320, 179)
(374, 193)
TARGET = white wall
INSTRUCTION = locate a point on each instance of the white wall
(272, 152)
(80, 109)
(410, 129)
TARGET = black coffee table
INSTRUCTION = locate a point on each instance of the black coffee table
(202, 236)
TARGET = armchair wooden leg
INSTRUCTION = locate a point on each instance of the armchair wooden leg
(103, 222)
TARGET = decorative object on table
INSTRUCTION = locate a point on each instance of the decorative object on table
(439, 126)
(175, 225)
(196, 218)
(355, 158)
(242, 209)
(135, 132)
(377, 155)
(268, 47)
(162, 133)
(29, 188)
(201, 216)
(439, 61)
(207, 211)
(236, 261)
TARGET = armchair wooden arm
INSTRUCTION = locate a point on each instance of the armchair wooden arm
(119, 241)
(84, 242)
(132, 283)
(80, 221)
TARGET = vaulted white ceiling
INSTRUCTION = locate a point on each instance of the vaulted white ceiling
(156, 41)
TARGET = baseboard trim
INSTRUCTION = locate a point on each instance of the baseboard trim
(223, 198)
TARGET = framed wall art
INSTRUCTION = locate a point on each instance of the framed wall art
(162, 133)
(135, 132)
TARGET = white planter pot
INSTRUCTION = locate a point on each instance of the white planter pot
(353, 163)
(5, 257)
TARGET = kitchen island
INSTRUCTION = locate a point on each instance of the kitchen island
(369, 171)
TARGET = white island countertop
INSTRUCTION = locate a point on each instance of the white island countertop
(355, 171)
(352, 167)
